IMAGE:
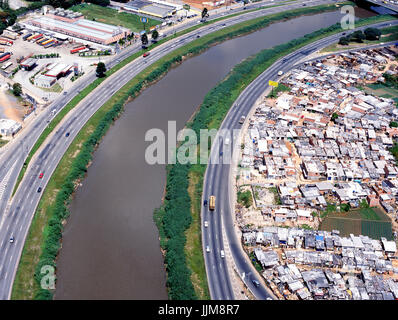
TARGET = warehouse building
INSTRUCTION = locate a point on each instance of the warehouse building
(29, 64)
(75, 25)
(44, 81)
(57, 70)
(158, 10)
(9, 127)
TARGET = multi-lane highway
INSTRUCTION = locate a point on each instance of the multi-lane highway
(219, 179)
(17, 215)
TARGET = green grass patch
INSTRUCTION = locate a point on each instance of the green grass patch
(245, 198)
(372, 222)
(279, 88)
(55, 88)
(112, 16)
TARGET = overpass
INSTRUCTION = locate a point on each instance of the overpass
(386, 4)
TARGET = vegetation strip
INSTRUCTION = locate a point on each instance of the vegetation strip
(46, 230)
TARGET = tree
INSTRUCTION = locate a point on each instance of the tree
(155, 35)
(144, 40)
(334, 116)
(17, 89)
(101, 69)
(357, 36)
(344, 41)
(245, 2)
(372, 34)
(205, 13)
(393, 124)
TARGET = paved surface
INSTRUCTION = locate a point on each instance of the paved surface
(17, 215)
(218, 182)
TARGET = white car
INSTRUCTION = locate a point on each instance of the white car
(206, 224)
(280, 73)
(227, 141)
(222, 254)
(207, 249)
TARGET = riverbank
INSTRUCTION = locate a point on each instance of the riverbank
(151, 74)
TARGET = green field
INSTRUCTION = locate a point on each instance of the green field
(372, 222)
(381, 90)
(112, 16)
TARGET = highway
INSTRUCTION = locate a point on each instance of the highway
(17, 214)
(219, 178)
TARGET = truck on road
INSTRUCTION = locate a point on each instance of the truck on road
(212, 203)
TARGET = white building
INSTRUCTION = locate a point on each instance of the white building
(9, 127)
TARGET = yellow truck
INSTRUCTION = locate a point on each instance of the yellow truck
(212, 203)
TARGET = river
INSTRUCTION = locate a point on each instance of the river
(110, 247)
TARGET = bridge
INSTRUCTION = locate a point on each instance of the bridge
(381, 3)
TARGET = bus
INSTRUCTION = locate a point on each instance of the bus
(212, 203)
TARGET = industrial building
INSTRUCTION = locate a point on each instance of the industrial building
(29, 64)
(57, 70)
(73, 24)
(9, 127)
(44, 81)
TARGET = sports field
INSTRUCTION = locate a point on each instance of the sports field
(372, 222)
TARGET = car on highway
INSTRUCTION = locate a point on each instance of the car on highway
(205, 203)
(280, 73)
(65, 93)
(41, 175)
(206, 223)
(256, 283)
(67, 134)
(242, 119)
(197, 36)
(12, 239)
(39, 189)
(227, 141)
(207, 249)
(222, 253)
(146, 54)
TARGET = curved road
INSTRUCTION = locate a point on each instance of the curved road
(18, 214)
(218, 181)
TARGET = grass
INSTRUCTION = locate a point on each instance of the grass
(112, 16)
(55, 88)
(3, 142)
(372, 222)
(387, 34)
(279, 88)
(23, 287)
(193, 247)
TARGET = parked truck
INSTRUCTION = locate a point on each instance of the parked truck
(5, 56)
(212, 203)
(77, 49)
(4, 42)
(26, 36)
(9, 35)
